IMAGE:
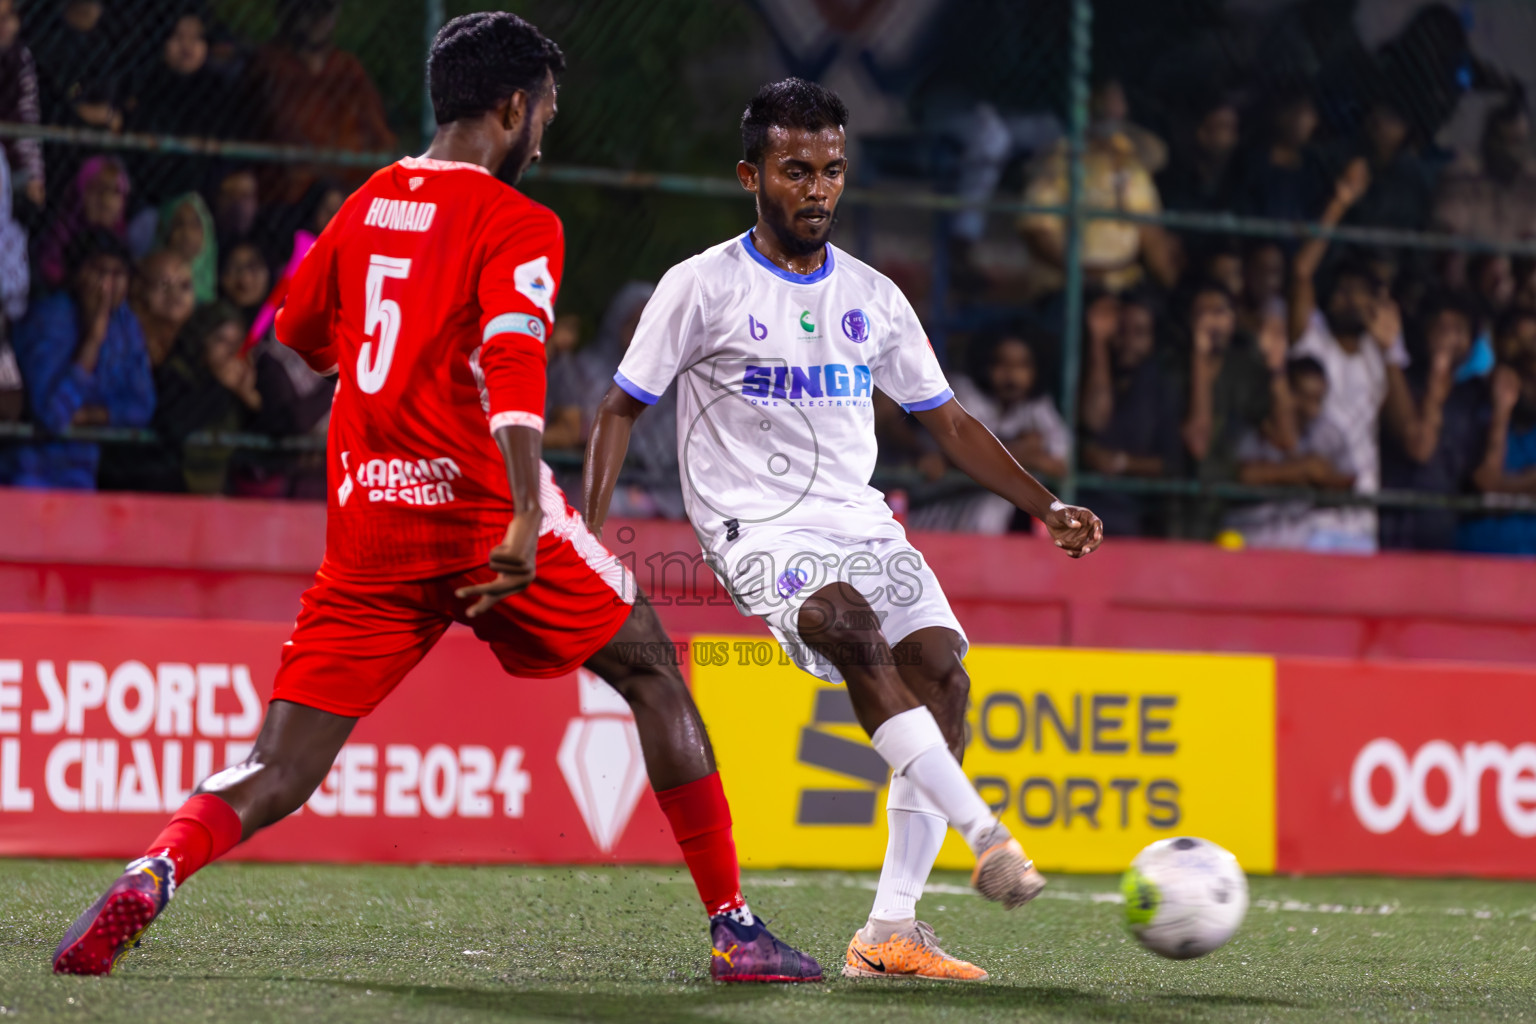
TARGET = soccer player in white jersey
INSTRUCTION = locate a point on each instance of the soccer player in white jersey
(776, 341)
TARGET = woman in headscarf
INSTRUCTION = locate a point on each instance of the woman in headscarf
(97, 199)
(186, 228)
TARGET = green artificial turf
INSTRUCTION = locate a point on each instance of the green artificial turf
(245, 942)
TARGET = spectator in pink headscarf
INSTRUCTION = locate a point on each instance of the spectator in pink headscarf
(98, 198)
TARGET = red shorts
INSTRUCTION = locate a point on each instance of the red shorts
(355, 641)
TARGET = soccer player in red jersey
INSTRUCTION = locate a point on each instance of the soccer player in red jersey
(430, 294)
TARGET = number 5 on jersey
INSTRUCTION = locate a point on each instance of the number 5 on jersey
(383, 315)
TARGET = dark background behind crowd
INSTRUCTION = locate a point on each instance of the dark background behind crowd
(138, 288)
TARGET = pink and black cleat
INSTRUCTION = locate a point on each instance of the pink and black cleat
(111, 926)
(748, 951)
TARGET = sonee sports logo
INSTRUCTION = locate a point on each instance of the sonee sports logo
(854, 758)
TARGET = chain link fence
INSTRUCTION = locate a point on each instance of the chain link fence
(1099, 208)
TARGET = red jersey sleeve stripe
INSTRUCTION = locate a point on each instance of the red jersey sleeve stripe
(517, 419)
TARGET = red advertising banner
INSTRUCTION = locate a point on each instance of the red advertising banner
(1405, 768)
(106, 724)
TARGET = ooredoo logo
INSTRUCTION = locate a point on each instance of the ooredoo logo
(1455, 799)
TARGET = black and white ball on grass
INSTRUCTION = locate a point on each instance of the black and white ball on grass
(1184, 897)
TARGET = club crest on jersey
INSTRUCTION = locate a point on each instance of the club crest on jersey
(856, 326)
(416, 183)
(790, 581)
(756, 328)
(534, 280)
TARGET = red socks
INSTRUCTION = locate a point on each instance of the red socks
(701, 822)
(204, 829)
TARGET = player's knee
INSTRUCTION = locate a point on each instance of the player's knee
(264, 794)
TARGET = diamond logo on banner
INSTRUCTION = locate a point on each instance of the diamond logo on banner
(601, 761)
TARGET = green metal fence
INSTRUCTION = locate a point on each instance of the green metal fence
(638, 165)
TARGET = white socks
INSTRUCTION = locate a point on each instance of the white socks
(913, 746)
(741, 915)
(917, 832)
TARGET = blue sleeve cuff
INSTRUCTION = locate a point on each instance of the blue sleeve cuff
(931, 403)
(635, 390)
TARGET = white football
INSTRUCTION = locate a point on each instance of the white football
(1184, 897)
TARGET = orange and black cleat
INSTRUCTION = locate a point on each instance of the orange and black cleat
(112, 925)
(910, 952)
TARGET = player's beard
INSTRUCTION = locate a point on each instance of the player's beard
(784, 231)
(519, 157)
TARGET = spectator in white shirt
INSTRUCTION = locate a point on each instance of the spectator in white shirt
(1353, 328)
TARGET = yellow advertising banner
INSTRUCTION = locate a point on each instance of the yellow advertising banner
(1086, 755)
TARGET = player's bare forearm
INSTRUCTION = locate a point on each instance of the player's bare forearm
(977, 453)
(520, 448)
(981, 456)
(606, 449)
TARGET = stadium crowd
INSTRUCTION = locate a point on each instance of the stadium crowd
(138, 290)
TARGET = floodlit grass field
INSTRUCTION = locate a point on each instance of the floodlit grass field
(310, 944)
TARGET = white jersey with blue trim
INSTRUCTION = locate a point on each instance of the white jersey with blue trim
(776, 374)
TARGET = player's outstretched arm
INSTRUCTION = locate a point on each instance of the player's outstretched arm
(981, 456)
(606, 449)
(514, 558)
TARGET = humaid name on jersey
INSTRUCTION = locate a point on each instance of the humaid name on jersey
(400, 215)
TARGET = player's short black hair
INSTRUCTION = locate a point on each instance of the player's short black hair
(479, 60)
(792, 103)
(93, 242)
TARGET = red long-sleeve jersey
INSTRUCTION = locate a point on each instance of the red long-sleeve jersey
(431, 294)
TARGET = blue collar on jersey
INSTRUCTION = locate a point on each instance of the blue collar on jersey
(819, 275)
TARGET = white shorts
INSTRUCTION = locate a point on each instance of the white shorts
(770, 572)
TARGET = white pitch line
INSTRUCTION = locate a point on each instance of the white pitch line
(1272, 906)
